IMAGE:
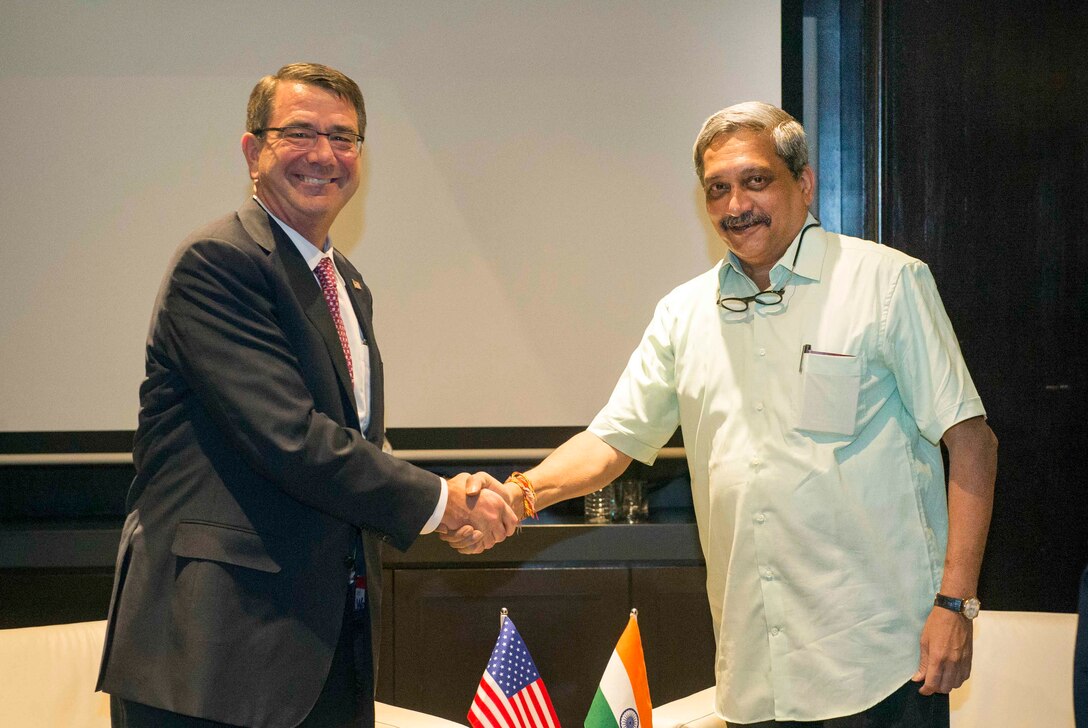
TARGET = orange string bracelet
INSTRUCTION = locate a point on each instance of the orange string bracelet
(529, 493)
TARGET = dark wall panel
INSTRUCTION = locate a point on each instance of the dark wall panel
(986, 179)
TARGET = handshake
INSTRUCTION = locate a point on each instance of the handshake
(480, 512)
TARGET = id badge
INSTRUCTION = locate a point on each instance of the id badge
(360, 593)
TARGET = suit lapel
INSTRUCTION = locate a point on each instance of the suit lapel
(358, 293)
(308, 292)
(361, 301)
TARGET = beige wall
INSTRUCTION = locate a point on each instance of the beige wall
(529, 194)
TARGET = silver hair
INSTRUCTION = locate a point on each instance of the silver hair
(786, 133)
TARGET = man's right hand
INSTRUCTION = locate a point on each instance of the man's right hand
(468, 541)
(476, 516)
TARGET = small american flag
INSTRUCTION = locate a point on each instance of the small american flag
(511, 693)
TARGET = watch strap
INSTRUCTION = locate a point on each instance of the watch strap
(951, 603)
(968, 607)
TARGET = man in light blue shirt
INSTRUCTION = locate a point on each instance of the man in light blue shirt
(814, 377)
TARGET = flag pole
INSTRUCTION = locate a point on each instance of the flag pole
(503, 614)
(634, 613)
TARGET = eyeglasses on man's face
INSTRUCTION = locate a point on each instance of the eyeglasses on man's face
(305, 138)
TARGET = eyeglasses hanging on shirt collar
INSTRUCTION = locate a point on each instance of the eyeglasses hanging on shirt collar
(768, 297)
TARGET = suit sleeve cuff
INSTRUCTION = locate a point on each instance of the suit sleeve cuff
(436, 517)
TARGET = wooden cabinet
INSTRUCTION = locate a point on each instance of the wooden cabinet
(442, 623)
(677, 635)
(569, 587)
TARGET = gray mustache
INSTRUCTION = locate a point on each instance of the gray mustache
(748, 218)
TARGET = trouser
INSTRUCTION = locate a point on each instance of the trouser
(346, 700)
(905, 708)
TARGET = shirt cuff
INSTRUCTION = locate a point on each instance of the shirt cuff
(626, 443)
(436, 517)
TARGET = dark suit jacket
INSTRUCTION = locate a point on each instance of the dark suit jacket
(252, 482)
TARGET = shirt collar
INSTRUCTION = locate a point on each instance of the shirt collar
(310, 252)
(809, 260)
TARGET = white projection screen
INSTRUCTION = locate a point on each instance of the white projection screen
(528, 189)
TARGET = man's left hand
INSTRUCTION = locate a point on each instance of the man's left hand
(946, 652)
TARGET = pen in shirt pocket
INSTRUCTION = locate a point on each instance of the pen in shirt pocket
(807, 349)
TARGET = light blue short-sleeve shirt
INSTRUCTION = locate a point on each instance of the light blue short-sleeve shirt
(812, 432)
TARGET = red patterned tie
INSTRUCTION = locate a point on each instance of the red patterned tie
(327, 275)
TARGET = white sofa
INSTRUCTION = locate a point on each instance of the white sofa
(47, 678)
(1022, 677)
(1022, 673)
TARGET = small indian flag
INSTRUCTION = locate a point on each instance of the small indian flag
(623, 699)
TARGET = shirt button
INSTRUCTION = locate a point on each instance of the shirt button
(763, 352)
(759, 406)
(775, 631)
(756, 462)
(768, 574)
(760, 518)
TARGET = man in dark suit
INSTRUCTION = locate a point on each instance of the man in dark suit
(262, 490)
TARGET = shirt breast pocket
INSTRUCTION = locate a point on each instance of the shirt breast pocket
(829, 393)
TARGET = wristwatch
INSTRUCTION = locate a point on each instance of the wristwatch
(967, 607)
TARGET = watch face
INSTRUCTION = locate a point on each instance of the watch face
(971, 607)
